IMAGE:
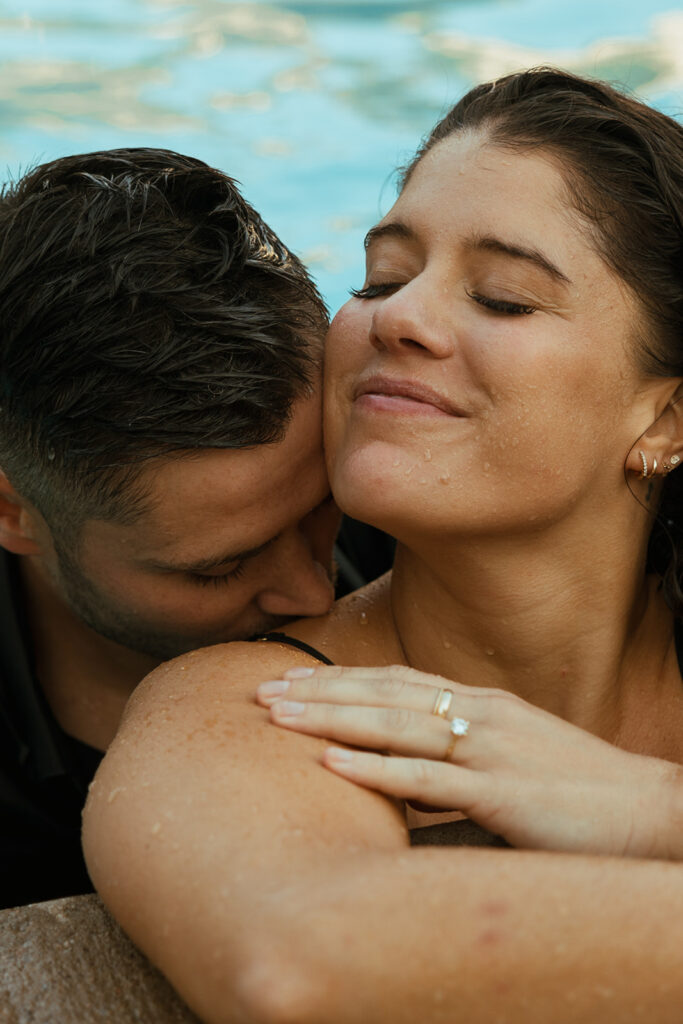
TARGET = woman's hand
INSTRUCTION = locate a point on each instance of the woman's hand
(515, 769)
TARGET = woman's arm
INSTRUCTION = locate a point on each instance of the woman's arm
(269, 890)
(517, 770)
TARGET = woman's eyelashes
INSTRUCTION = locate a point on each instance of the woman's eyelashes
(502, 305)
(375, 291)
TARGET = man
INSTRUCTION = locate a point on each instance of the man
(162, 482)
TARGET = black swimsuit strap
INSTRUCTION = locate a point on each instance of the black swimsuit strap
(290, 641)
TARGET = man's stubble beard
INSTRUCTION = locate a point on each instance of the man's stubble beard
(114, 622)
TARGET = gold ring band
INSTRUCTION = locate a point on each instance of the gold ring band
(458, 727)
(442, 702)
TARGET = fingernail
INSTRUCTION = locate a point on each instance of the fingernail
(273, 688)
(339, 755)
(288, 708)
(298, 673)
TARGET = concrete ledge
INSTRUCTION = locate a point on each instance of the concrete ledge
(68, 962)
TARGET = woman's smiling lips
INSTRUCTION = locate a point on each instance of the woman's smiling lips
(403, 397)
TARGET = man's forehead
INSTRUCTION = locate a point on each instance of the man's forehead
(241, 478)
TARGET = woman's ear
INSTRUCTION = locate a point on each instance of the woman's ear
(660, 448)
(17, 522)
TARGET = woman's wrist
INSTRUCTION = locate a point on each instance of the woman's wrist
(675, 824)
(665, 815)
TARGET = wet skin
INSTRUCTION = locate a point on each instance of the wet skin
(490, 360)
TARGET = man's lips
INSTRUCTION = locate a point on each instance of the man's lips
(401, 395)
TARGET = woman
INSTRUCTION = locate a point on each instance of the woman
(502, 396)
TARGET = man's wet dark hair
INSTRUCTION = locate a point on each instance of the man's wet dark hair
(146, 311)
(622, 163)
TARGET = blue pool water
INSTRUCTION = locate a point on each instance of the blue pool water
(309, 104)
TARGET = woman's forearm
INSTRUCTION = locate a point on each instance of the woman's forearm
(269, 890)
(473, 936)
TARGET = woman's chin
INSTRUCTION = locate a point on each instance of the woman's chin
(384, 496)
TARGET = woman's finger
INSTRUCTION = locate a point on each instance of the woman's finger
(399, 730)
(393, 686)
(441, 785)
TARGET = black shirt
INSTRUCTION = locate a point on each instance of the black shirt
(45, 774)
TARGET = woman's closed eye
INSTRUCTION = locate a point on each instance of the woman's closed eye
(374, 291)
(502, 305)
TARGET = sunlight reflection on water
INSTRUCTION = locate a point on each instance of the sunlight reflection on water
(309, 104)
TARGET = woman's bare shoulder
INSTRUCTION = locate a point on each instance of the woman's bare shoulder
(229, 671)
(355, 631)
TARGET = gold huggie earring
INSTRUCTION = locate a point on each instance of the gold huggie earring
(645, 474)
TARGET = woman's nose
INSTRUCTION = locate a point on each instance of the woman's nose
(412, 319)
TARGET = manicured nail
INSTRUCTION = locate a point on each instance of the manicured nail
(338, 755)
(298, 673)
(274, 688)
(288, 708)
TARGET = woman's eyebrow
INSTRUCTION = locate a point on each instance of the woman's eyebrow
(394, 229)
(489, 243)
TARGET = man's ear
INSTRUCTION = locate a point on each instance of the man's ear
(660, 448)
(17, 521)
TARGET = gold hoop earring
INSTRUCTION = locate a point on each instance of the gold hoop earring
(645, 474)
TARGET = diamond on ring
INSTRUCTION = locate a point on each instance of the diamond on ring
(457, 727)
(460, 726)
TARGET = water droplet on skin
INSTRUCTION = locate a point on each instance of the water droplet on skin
(396, 462)
(445, 478)
(428, 456)
(447, 644)
(115, 792)
(156, 828)
(490, 651)
(487, 466)
(363, 619)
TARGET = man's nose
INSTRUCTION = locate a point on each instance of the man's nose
(301, 586)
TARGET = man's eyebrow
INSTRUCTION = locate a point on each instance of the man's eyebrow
(206, 564)
(394, 229)
(489, 243)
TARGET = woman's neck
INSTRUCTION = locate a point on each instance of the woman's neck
(573, 631)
